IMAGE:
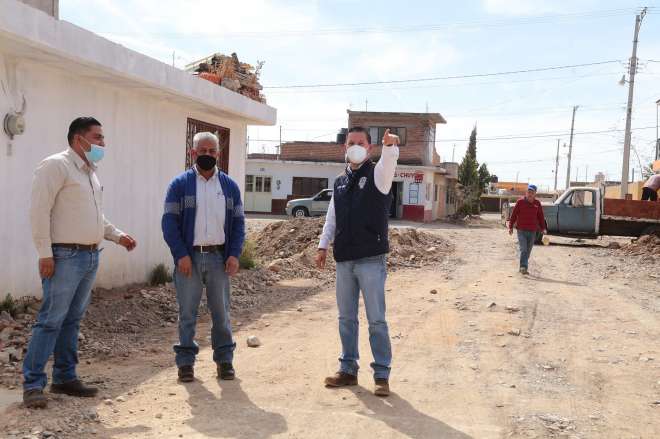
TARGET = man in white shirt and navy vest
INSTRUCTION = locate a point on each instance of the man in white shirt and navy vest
(68, 226)
(357, 221)
(204, 226)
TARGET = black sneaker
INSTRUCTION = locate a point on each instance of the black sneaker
(226, 371)
(186, 374)
(35, 399)
(74, 388)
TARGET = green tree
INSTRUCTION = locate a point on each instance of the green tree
(472, 177)
(472, 146)
(484, 176)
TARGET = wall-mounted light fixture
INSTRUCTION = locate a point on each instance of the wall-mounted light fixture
(14, 123)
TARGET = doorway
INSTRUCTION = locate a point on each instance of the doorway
(197, 126)
(258, 193)
(396, 209)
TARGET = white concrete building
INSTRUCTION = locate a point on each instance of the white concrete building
(149, 111)
(419, 192)
(424, 186)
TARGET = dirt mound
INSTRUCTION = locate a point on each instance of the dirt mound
(289, 247)
(645, 245)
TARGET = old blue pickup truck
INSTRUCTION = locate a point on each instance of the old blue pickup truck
(584, 212)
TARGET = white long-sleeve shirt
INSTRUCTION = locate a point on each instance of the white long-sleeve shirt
(383, 176)
(67, 204)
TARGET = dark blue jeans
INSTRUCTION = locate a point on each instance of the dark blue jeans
(208, 270)
(66, 297)
(526, 241)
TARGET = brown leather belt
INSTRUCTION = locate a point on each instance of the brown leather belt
(85, 247)
(209, 248)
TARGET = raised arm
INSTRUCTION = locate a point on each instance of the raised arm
(386, 166)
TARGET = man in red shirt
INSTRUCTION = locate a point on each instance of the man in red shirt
(528, 219)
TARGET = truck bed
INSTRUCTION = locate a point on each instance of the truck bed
(629, 217)
(636, 209)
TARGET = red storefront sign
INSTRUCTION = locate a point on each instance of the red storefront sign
(416, 177)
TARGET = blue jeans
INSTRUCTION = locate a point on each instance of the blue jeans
(208, 270)
(66, 297)
(526, 241)
(367, 275)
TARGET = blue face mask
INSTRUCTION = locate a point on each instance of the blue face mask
(95, 154)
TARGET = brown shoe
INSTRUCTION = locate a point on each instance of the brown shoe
(186, 374)
(35, 399)
(74, 388)
(226, 371)
(382, 387)
(341, 379)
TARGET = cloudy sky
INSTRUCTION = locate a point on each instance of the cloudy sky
(519, 116)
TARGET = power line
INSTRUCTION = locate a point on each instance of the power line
(442, 78)
(406, 28)
(496, 138)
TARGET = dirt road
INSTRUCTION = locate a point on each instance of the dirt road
(570, 352)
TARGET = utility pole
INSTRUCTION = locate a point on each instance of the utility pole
(453, 151)
(570, 150)
(556, 165)
(366, 105)
(586, 174)
(279, 148)
(631, 86)
(657, 136)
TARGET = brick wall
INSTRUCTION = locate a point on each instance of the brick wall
(418, 129)
(312, 152)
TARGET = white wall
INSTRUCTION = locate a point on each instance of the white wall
(145, 139)
(285, 171)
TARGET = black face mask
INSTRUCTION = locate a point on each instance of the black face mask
(206, 162)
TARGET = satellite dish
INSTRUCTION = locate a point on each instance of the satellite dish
(622, 81)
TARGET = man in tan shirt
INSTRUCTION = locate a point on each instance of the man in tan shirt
(68, 226)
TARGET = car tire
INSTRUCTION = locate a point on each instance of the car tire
(300, 212)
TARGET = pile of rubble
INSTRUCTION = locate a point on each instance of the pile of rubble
(645, 245)
(123, 321)
(289, 247)
(229, 72)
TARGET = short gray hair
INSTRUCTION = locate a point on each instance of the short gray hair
(205, 135)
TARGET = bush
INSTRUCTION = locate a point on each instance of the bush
(160, 275)
(248, 259)
(9, 305)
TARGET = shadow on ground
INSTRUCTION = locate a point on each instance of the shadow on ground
(401, 416)
(232, 415)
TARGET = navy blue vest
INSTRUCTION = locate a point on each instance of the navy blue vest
(362, 213)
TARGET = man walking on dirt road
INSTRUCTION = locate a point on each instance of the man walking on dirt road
(204, 226)
(527, 217)
(68, 226)
(357, 220)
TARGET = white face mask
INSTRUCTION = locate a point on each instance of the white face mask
(356, 154)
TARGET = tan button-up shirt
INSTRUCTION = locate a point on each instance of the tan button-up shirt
(67, 204)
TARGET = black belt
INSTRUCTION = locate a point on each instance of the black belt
(209, 248)
(85, 247)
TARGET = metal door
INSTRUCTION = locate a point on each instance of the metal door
(577, 213)
(321, 202)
